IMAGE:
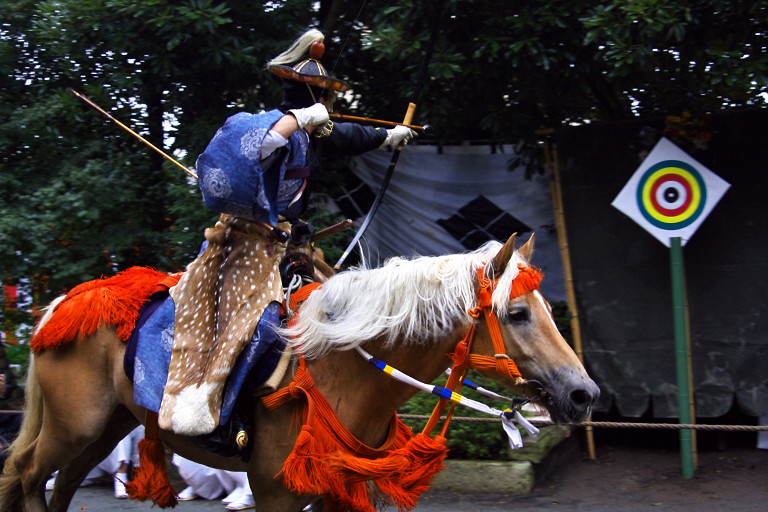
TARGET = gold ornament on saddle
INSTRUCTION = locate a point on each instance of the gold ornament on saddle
(242, 439)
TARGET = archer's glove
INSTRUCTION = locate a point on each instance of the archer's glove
(311, 116)
(398, 136)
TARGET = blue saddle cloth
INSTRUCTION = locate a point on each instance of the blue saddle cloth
(148, 355)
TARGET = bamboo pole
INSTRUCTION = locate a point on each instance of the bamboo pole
(553, 168)
(692, 397)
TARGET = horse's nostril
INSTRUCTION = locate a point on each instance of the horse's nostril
(581, 397)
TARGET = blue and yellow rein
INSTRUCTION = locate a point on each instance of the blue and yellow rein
(508, 416)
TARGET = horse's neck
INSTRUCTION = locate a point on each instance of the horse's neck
(365, 398)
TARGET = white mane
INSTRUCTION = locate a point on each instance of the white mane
(413, 301)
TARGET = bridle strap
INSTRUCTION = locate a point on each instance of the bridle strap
(454, 383)
(463, 360)
(500, 361)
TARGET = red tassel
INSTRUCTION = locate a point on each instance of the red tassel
(302, 467)
(328, 460)
(527, 280)
(319, 464)
(150, 479)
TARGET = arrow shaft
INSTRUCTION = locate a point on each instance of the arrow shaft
(344, 117)
(124, 127)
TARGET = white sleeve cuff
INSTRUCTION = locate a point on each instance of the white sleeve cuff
(272, 141)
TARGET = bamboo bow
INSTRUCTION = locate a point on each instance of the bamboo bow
(396, 154)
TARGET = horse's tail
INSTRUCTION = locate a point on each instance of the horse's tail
(11, 492)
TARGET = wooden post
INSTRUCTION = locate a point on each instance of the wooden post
(553, 169)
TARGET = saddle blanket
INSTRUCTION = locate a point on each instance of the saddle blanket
(148, 355)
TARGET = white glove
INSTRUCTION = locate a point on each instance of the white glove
(398, 136)
(311, 116)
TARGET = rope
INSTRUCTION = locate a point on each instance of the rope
(610, 424)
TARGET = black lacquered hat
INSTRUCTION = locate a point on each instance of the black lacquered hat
(310, 71)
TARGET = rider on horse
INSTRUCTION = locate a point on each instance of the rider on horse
(255, 172)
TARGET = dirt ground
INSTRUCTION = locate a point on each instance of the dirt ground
(639, 471)
(631, 473)
(626, 479)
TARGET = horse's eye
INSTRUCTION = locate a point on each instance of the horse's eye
(518, 315)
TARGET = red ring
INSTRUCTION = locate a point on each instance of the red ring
(667, 211)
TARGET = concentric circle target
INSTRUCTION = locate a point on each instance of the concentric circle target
(671, 194)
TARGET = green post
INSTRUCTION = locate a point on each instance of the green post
(681, 355)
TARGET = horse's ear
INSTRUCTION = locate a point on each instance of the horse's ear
(502, 257)
(526, 251)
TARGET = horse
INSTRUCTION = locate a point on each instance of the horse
(412, 313)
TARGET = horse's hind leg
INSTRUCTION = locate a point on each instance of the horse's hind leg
(78, 400)
(72, 474)
(57, 446)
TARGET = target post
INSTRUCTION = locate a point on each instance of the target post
(670, 195)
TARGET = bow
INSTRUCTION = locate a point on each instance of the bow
(396, 154)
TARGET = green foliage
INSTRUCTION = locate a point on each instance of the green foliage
(527, 65)
(18, 354)
(80, 198)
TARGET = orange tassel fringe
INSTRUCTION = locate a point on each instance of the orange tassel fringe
(327, 460)
(113, 301)
(150, 479)
(320, 464)
(527, 280)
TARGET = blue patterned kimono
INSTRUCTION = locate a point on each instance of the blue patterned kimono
(234, 179)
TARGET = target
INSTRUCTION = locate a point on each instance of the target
(671, 194)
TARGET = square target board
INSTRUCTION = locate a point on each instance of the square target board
(670, 194)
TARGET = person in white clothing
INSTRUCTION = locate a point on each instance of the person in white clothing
(208, 483)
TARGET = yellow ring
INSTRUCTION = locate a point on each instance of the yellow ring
(695, 191)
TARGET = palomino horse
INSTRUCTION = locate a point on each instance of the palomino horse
(411, 314)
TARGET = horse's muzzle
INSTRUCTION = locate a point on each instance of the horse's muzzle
(571, 404)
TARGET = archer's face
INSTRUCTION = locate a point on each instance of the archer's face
(329, 100)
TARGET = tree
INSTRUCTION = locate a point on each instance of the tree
(502, 70)
(81, 198)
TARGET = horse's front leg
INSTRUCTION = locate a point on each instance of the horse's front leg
(274, 434)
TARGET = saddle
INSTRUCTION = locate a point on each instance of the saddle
(258, 370)
(248, 362)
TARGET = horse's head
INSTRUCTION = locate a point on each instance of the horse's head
(549, 370)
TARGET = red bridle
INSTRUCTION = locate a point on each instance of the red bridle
(527, 280)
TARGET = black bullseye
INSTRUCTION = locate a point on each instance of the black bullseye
(671, 195)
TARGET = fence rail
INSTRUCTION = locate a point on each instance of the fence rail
(610, 424)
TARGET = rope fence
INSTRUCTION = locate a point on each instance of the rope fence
(594, 424)
(607, 424)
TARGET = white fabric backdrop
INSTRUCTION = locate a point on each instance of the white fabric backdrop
(428, 186)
